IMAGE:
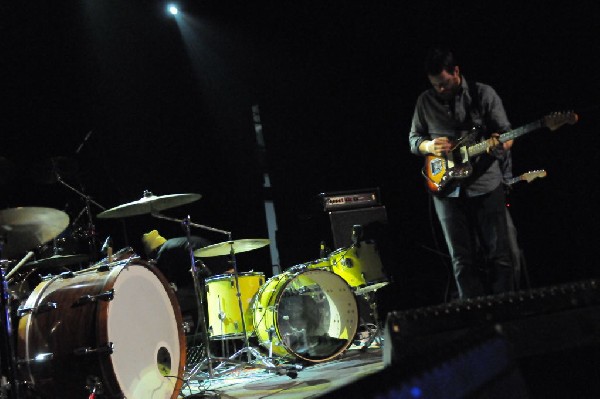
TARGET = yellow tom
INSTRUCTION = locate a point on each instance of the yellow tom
(360, 266)
(224, 317)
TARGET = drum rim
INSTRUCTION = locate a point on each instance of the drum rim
(227, 276)
(288, 350)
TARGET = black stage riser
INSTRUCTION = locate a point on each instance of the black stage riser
(547, 341)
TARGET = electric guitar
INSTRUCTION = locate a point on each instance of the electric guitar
(527, 176)
(441, 171)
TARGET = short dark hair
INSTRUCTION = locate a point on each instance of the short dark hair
(439, 60)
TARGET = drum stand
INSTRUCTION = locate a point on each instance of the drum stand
(196, 372)
(10, 386)
(376, 335)
(91, 228)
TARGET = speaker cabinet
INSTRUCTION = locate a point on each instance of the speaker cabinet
(371, 219)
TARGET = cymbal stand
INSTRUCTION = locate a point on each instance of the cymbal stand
(91, 228)
(7, 339)
(208, 361)
(199, 290)
(247, 349)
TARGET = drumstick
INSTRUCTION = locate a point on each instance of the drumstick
(18, 265)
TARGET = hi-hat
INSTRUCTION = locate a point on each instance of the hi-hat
(25, 228)
(225, 248)
(149, 203)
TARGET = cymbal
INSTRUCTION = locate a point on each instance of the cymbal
(224, 248)
(25, 228)
(148, 204)
(58, 261)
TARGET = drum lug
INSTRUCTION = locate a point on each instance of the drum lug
(108, 348)
(41, 357)
(37, 309)
(65, 275)
(104, 296)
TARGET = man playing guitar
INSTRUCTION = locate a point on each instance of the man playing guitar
(471, 210)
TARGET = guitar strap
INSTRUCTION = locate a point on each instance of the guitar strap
(475, 114)
(475, 110)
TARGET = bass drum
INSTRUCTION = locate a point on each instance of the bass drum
(116, 329)
(312, 315)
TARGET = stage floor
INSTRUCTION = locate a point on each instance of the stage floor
(313, 380)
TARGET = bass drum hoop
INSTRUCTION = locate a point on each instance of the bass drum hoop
(343, 289)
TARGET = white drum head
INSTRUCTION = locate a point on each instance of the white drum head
(143, 329)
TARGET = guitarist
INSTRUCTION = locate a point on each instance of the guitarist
(471, 211)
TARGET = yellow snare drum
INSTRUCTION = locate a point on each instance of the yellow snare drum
(225, 320)
(311, 315)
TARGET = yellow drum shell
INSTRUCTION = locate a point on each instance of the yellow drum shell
(360, 265)
(225, 320)
(347, 265)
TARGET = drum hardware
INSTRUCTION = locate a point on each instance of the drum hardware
(91, 228)
(374, 336)
(8, 362)
(45, 307)
(108, 348)
(230, 247)
(104, 296)
(40, 357)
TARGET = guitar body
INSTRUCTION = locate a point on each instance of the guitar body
(442, 172)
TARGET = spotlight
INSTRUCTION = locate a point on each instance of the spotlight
(173, 10)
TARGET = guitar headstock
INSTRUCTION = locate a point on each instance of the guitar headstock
(556, 119)
(534, 174)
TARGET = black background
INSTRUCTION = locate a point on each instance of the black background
(168, 101)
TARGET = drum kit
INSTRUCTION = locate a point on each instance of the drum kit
(113, 328)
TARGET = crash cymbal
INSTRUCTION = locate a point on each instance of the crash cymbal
(224, 248)
(58, 261)
(149, 203)
(25, 228)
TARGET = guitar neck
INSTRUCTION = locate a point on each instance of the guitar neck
(483, 146)
(512, 180)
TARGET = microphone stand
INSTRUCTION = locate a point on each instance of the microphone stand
(91, 230)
